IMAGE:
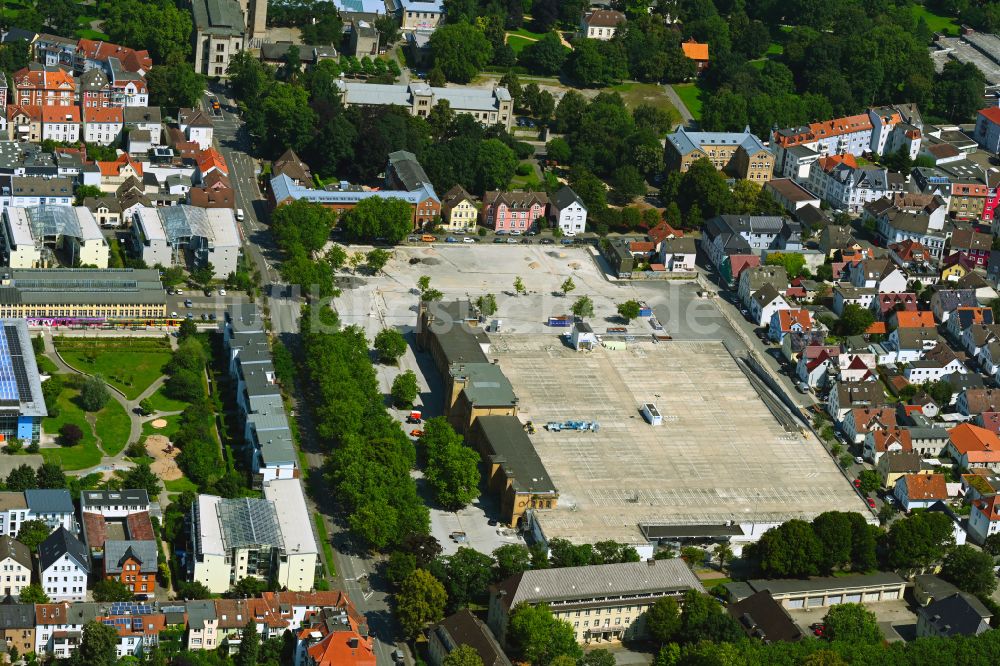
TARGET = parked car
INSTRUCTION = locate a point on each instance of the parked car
(499, 240)
(515, 232)
(413, 239)
(188, 303)
(450, 239)
(546, 241)
(566, 241)
(871, 503)
(859, 460)
(467, 239)
(512, 240)
(222, 292)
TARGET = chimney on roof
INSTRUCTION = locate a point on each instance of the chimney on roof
(353, 641)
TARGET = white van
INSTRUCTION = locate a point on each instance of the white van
(239, 214)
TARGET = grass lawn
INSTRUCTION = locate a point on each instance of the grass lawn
(653, 94)
(935, 22)
(690, 94)
(774, 49)
(45, 365)
(173, 424)
(113, 427)
(180, 485)
(325, 540)
(524, 32)
(127, 367)
(518, 43)
(162, 403)
(85, 454)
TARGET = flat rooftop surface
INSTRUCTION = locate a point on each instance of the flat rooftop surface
(719, 455)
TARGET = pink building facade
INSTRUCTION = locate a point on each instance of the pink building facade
(513, 211)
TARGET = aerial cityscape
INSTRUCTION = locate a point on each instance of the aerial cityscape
(493, 332)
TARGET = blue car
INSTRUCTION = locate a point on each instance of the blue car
(566, 241)
(450, 239)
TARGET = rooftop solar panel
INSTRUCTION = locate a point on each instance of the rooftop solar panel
(8, 381)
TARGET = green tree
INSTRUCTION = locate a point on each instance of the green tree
(663, 620)
(487, 304)
(466, 575)
(992, 544)
(567, 286)
(94, 393)
(248, 77)
(33, 533)
(970, 570)
(174, 86)
(793, 262)
(50, 475)
(187, 329)
(870, 481)
(70, 434)
(404, 389)
(789, 550)
(519, 286)
(546, 56)
(463, 655)
(249, 586)
(535, 636)
(85, 191)
(724, 553)
(22, 478)
(420, 601)
(390, 345)
(852, 623)
(558, 150)
(496, 163)
(33, 594)
(854, 320)
(583, 307)
(460, 51)
(400, 565)
(249, 645)
(111, 589)
(281, 119)
(452, 469)
(511, 559)
(141, 477)
(701, 184)
(302, 224)
(193, 590)
(97, 647)
(598, 657)
(918, 541)
(163, 29)
(629, 310)
(376, 217)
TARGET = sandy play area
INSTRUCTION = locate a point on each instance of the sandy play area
(164, 457)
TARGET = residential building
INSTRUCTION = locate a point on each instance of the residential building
(972, 244)
(880, 274)
(785, 322)
(63, 566)
(758, 233)
(920, 491)
(365, 39)
(103, 126)
(335, 637)
(604, 602)
(421, 14)
(15, 566)
(424, 202)
(765, 304)
(488, 106)
(464, 628)
(972, 446)
(918, 217)
(458, 210)
(569, 214)
(984, 518)
(52, 506)
(292, 166)
(513, 211)
(600, 24)
(220, 32)
(133, 563)
(43, 236)
(43, 85)
(845, 185)
(196, 124)
(47, 296)
(235, 538)
(844, 396)
(860, 421)
(96, 54)
(17, 626)
(754, 279)
(696, 51)
(678, 255)
(961, 614)
(61, 124)
(881, 441)
(894, 465)
(987, 132)
(737, 154)
(946, 301)
(977, 400)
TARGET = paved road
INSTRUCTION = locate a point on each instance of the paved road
(678, 103)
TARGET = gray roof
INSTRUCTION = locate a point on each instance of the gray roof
(687, 142)
(17, 616)
(142, 114)
(221, 17)
(935, 586)
(116, 552)
(81, 285)
(248, 522)
(284, 188)
(566, 197)
(487, 386)
(960, 614)
(514, 451)
(604, 580)
(461, 98)
(682, 245)
(48, 501)
(60, 543)
(464, 628)
(97, 499)
(15, 550)
(199, 612)
(828, 583)
(408, 170)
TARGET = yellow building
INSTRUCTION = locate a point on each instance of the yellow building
(737, 154)
(458, 210)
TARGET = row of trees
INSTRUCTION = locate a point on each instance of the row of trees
(371, 458)
(833, 541)
(451, 467)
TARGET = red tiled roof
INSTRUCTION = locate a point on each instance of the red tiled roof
(788, 318)
(885, 438)
(921, 319)
(740, 262)
(641, 246)
(989, 507)
(926, 486)
(662, 232)
(825, 129)
(140, 528)
(131, 60)
(966, 438)
(695, 50)
(114, 168)
(877, 328)
(209, 159)
(100, 114)
(61, 114)
(95, 529)
(992, 114)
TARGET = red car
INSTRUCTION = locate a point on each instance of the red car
(871, 503)
(818, 629)
(857, 483)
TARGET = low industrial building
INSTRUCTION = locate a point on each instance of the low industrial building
(47, 236)
(604, 603)
(187, 235)
(488, 106)
(22, 405)
(236, 538)
(824, 592)
(81, 295)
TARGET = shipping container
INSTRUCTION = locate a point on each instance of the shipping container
(564, 321)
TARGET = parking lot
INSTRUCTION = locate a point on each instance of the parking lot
(895, 618)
